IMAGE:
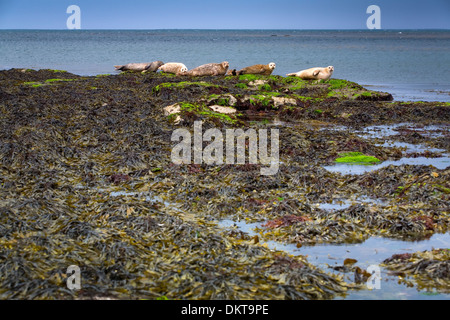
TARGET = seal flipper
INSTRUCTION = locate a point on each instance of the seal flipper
(119, 67)
(147, 67)
(316, 72)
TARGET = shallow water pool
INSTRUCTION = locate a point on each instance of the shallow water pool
(373, 251)
(385, 131)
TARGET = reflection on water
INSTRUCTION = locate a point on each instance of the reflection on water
(382, 131)
(340, 204)
(373, 251)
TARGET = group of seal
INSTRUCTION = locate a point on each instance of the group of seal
(220, 69)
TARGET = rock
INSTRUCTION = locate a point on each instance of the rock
(231, 100)
(221, 109)
(119, 178)
(256, 83)
(279, 101)
(173, 109)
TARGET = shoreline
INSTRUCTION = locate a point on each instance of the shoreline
(414, 92)
(402, 92)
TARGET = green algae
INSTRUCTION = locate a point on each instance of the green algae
(265, 87)
(292, 83)
(59, 80)
(339, 84)
(349, 93)
(261, 99)
(206, 112)
(182, 85)
(220, 100)
(168, 75)
(366, 94)
(343, 89)
(241, 85)
(356, 158)
(34, 84)
(305, 98)
(250, 77)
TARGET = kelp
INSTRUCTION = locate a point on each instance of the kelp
(87, 180)
(427, 270)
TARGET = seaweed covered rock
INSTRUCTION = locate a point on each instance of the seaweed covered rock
(427, 270)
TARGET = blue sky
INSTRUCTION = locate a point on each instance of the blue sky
(225, 14)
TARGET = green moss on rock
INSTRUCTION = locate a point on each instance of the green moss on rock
(241, 86)
(205, 112)
(58, 80)
(182, 84)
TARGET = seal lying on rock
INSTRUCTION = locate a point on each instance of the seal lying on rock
(262, 69)
(314, 73)
(173, 67)
(140, 67)
(209, 69)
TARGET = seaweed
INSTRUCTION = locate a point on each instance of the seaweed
(427, 270)
(87, 180)
(356, 158)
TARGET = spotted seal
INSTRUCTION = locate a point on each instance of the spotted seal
(209, 69)
(262, 69)
(140, 67)
(314, 73)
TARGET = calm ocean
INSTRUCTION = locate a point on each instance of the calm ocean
(412, 65)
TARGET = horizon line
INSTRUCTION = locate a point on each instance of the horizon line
(213, 29)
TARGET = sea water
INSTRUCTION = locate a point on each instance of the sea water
(413, 65)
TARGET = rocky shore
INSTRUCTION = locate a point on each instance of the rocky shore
(87, 180)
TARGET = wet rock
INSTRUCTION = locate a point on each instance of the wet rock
(174, 109)
(221, 109)
(119, 178)
(280, 101)
(256, 83)
(427, 269)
